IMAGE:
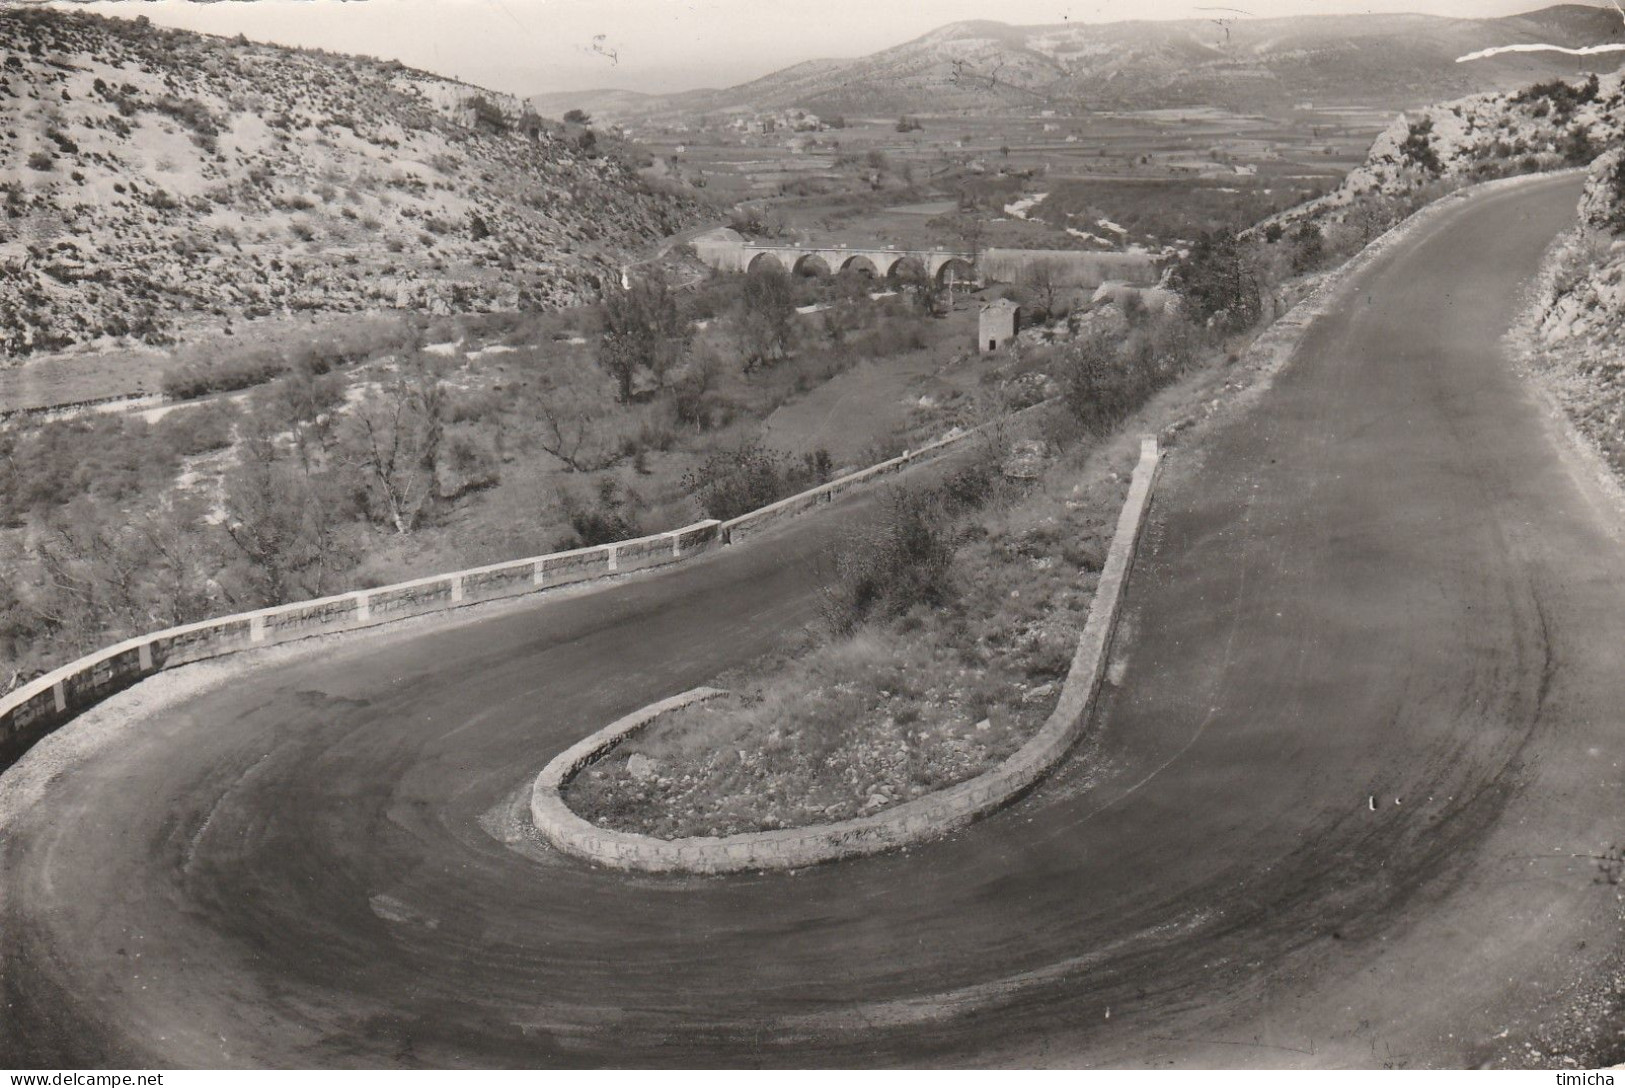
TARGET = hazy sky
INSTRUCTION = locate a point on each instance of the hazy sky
(531, 46)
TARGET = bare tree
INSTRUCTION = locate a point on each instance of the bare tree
(87, 581)
(394, 442)
(1044, 281)
(573, 406)
(171, 538)
(305, 401)
(282, 523)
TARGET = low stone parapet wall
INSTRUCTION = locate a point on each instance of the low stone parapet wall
(914, 821)
(45, 704)
(757, 521)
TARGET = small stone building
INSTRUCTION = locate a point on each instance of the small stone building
(996, 324)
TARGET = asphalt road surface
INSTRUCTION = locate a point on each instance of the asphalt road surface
(1342, 806)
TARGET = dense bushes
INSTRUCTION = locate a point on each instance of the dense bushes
(1104, 378)
(903, 560)
(737, 480)
(215, 370)
(240, 369)
(106, 458)
(603, 521)
(1559, 97)
(1418, 146)
(1219, 284)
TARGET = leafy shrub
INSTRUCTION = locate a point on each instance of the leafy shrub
(1308, 248)
(1418, 146)
(735, 481)
(1103, 381)
(468, 462)
(487, 115)
(238, 370)
(602, 521)
(1218, 284)
(1559, 96)
(199, 430)
(885, 570)
(971, 485)
(194, 115)
(1577, 147)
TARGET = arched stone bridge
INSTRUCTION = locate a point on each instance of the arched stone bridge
(731, 255)
(728, 251)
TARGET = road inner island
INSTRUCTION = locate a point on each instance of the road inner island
(1341, 805)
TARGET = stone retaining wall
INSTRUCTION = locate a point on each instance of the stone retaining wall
(914, 821)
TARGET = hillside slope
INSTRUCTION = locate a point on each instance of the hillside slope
(156, 179)
(1545, 126)
(1245, 64)
(1577, 335)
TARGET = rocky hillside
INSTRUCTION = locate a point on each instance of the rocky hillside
(1578, 334)
(1392, 61)
(1544, 126)
(159, 179)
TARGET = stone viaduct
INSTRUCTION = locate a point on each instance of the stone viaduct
(728, 251)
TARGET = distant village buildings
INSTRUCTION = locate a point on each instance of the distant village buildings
(793, 120)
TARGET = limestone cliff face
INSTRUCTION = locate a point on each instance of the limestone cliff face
(1586, 296)
(151, 179)
(1578, 333)
(1425, 152)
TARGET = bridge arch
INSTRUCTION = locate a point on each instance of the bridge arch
(811, 264)
(765, 260)
(860, 264)
(907, 269)
(956, 268)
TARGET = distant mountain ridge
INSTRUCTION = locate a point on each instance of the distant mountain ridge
(154, 179)
(981, 67)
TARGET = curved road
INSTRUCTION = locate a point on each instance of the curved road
(1341, 808)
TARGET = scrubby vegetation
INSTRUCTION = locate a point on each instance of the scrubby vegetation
(1230, 280)
(949, 622)
(391, 448)
(201, 371)
(737, 480)
(178, 181)
(1432, 151)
